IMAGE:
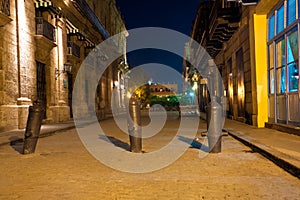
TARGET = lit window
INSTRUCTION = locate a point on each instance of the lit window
(281, 76)
(280, 19)
(280, 53)
(281, 80)
(271, 69)
(293, 77)
(292, 44)
(292, 53)
(271, 81)
(291, 11)
(271, 27)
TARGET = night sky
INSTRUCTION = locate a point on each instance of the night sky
(173, 14)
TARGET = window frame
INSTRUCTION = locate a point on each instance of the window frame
(274, 38)
(296, 60)
(271, 90)
(287, 12)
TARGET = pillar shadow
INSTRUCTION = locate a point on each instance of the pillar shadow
(17, 144)
(194, 143)
(116, 142)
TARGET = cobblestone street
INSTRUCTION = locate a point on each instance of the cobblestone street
(158, 100)
(62, 168)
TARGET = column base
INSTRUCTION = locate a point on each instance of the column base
(14, 116)
(23, 105)
(58, 114)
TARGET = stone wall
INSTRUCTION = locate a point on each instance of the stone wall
(17, 65)
(21, 48)
(240, 40)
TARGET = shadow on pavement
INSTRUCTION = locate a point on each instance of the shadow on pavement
(116, 142)
(17, 144)
(195, 143)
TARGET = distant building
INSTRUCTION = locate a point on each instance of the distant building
(163, 90)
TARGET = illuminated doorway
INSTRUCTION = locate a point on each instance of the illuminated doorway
(240, 83)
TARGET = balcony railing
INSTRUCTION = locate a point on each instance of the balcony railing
(5, 7)
(44, 28)
(73, 49)
(223, 21)
(83, 7)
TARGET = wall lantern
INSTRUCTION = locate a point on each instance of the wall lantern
(122, 64)
(195, 86)
(67, 68)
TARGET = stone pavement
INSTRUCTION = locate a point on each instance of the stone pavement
(46, 130)
(280, 147)
(61, 168)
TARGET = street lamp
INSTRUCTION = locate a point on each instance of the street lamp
(195, 86)
(67, 68)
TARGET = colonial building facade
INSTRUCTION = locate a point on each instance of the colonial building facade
(256, 49)
(42, 45)
(163, 89)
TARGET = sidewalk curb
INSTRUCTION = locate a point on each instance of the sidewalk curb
(284, 128)
(273, 155)
(42, 135)
(47, 133)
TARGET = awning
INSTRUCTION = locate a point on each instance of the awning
(42, 3)
(71, 28)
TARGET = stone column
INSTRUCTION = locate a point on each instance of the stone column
(25, 60)
(109, 84)
(23, 105)
(64, 109)
(103, 96)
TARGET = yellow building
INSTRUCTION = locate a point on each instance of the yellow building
(256, 50)
(42, 45)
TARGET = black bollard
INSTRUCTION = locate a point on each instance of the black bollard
(134, 125)
(214, 113)
(34, 122)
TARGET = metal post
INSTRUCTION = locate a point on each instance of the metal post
(214, 113)
(34, 122)
(134, 125)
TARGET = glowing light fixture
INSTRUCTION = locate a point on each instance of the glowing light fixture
(195, 86)
(67, 68)
(128, 95)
